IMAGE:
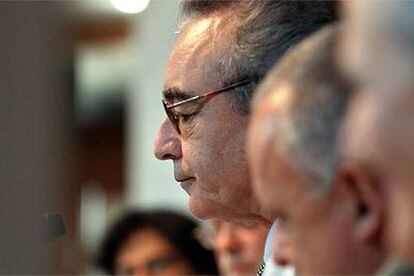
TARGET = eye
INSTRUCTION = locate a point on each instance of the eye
(184, 118)
(187, 112)
(189, 108)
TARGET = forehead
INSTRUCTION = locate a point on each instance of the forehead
(277, 178)
(193, 62)
(268, 117)
(263, 144)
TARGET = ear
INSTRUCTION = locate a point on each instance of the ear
(367, 198)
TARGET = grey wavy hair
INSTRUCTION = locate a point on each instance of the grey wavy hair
(264, 31)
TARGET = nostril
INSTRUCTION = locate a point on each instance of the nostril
(167, 143)
(169, 156)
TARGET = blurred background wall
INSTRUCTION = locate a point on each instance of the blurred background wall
(80, 106)
(154, 34)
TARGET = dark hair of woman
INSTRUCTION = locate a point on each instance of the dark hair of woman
(176, 228)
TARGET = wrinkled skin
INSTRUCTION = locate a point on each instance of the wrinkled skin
(209, 156)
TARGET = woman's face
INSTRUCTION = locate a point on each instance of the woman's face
(147, 252)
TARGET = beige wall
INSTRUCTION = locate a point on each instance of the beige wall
(150, 181)
(34, 136)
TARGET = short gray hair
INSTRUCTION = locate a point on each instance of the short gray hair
(319, 96)
(265, 30)
(379, 41)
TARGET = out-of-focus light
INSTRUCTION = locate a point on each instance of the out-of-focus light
(130, 6)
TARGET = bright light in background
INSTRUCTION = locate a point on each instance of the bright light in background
(130, 6)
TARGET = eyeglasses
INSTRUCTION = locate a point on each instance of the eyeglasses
(175, 116)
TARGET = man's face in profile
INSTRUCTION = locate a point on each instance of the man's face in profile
(316, 226)
(208, 154)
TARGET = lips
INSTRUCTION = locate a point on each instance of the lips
(186, 184)
(184, 178)
(181, 179)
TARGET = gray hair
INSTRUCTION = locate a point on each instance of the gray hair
(390, 18)
(318, 99)
(380, 41)
(264, 31)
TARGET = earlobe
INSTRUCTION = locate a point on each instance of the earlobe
(367, 198)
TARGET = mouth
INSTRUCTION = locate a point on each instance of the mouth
(186, 184)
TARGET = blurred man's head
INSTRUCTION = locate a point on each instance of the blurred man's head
(238, 248)
(326, 219)
(377, 51)
(155, 243)
(222, 44)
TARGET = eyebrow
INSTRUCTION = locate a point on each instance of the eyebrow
(173, 93)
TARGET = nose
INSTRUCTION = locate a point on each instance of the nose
(280, 247)
(167, 143)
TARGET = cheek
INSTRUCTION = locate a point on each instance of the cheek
(206, 148)
(327, 236)
(223, 159)
(199, 157)
(181, 268)
(215, 154)
(272, 194)
(400, 223)
(254, 243)
(306, 229)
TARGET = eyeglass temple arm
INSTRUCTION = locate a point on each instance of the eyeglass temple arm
(224, 89)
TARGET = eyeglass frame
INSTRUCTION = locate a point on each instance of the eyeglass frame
(174, 118)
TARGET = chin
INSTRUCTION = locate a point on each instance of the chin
(197, 210)
(202, 209)
(200, 214)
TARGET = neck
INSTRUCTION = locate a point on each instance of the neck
(262, 216)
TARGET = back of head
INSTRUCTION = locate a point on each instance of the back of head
(317, 99)
(378, 43)
(378, 52)
(263, 32)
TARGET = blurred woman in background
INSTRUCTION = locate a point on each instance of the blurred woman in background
(155, 243)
